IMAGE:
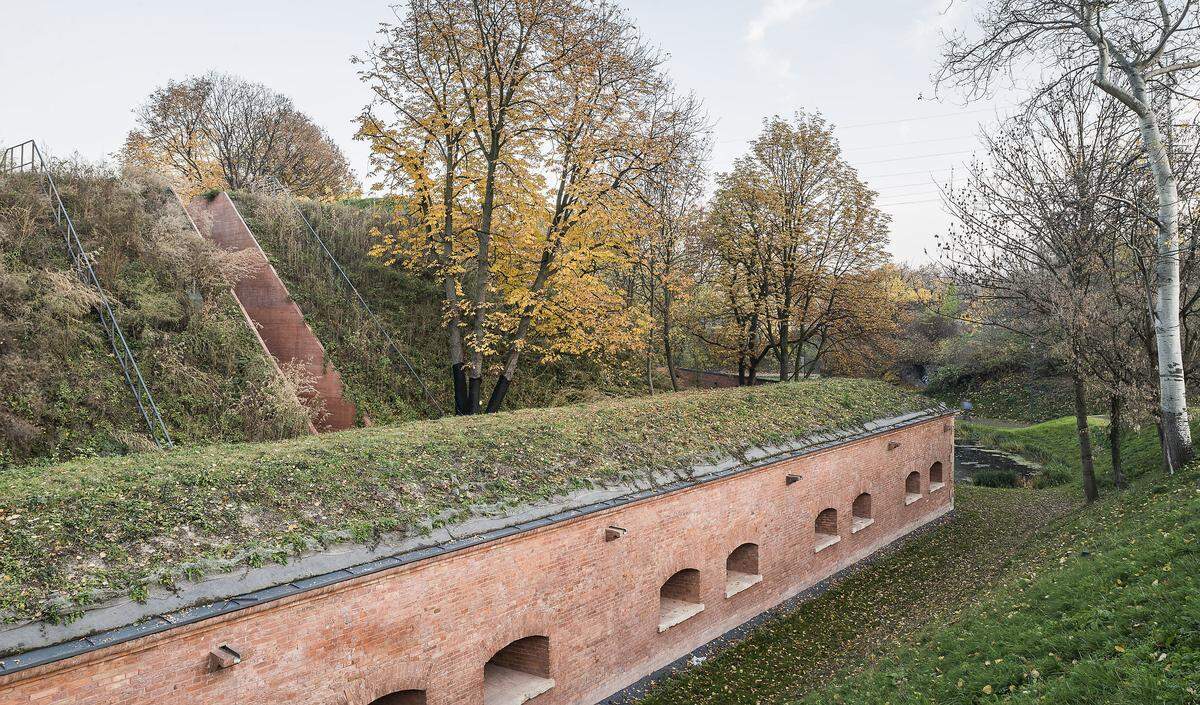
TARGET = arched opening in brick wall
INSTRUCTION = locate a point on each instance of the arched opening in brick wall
(826, 527)
(912, 487)
(937, 480)
(403, 697)
(679, 599)
(518, 673)
(741, 569)
(861, 516)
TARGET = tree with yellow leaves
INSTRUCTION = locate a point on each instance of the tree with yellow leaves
(513, 133)
(796, 246)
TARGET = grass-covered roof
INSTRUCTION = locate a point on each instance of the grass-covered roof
(78, 532)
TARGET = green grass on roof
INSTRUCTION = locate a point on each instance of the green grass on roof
(85, 530)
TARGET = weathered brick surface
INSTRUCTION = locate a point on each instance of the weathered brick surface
(433, 625)
(265, 299)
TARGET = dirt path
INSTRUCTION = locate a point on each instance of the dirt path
(930, 577)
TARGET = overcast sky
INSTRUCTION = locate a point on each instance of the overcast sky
(73, 70)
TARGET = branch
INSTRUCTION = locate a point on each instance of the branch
(1181, 66)
(1141, 211)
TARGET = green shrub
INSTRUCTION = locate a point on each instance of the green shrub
(997, 478)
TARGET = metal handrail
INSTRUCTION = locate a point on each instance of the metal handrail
(273, 186)
(26, 157)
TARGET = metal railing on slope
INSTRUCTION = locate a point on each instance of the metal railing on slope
(26, 157)
(273, 186)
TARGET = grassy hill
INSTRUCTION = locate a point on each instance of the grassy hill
(1007, 394)
(61, 392)
(408, 306)
(1024, 597)
(82, 531)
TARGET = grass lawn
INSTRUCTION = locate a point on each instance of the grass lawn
(1024, 597)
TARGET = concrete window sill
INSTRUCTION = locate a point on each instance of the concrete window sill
(506, 686)
(935, 486)
(860, 523)
(672, 612)
(736, 582)
(825, 542)
(910, 498)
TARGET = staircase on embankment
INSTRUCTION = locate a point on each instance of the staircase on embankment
(279, 321)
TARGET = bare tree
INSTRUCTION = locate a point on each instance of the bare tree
(1037, 238)
(1126, 48)
(670, 204)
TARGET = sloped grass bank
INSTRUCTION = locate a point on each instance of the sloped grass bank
(1025, 597)
(80, 531)
(1110, 613)
(1009, 394)
(410, 309)
(929, 579)
(61, 392)
(1055, 444)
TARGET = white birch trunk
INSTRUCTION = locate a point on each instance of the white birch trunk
(1177, 433)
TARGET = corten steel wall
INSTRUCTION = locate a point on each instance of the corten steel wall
(265, 299)
(433, 625)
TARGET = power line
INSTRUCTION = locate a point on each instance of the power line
(893, 122)
(927, 117)
(909, 173)
(905, 144)
(902, 186)
(908, 203)
(919, 156)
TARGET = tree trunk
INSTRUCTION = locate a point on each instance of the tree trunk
(1177, 433)
(482, 279)
(458, 373)
(666, 339)
(1090, 491)
(650, 372)
(783, 349)
(1114, 439)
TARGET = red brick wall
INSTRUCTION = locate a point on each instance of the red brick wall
(434, 624)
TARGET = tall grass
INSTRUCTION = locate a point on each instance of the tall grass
(61, 393)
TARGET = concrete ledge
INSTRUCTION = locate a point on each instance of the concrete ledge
(859, 524)
(739, 582)
(672, 612)
(825, 542)
(911, 497)
(506, 686)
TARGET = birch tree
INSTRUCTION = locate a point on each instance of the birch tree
(1128, 49)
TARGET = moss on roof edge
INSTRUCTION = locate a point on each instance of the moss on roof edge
(82, 532)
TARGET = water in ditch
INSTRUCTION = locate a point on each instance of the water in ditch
(970, 460)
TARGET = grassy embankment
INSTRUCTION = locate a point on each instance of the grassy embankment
(1008, 394)
(90, 529)
(409, 308)
(1023, 597)
(61, 393)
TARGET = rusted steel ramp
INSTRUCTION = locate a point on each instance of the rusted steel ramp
(270, 308)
